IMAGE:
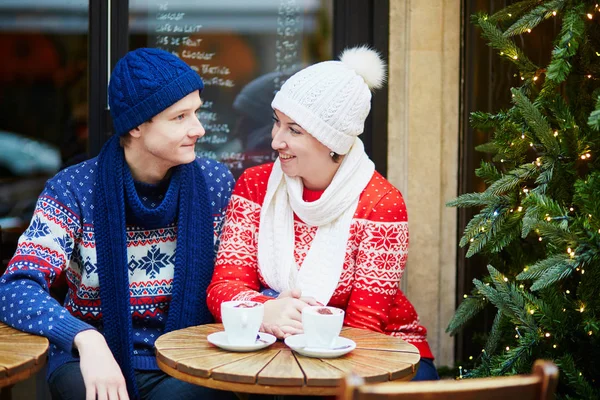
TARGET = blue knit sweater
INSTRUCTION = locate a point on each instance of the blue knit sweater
(58, 248)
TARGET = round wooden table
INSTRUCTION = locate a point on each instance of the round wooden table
(187, 355)
(21, 355)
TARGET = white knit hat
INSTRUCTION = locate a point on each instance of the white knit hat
(332, 99)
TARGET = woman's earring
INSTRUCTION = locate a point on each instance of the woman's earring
(331, 154)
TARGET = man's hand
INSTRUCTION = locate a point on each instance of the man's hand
(101, 373)
(283, 315)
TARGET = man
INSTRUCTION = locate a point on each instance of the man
(133, 232)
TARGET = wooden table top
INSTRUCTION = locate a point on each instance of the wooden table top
(21, 355)
(187, 355)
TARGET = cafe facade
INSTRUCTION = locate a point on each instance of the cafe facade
(58, 55)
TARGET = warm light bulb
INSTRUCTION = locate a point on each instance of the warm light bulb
(505, 279)
(555, 133)
(583, 157)
(522, 136)
(531, 312)
(587, 155)
(555, 346)
(535, 78)
(515, 58)
(554, 13)
(590, 16)
(567, 291)
(581, 309)
(507, 348)
(528, 30)
(465, 296)
(540, 239)
(547, 334)
(521, 209)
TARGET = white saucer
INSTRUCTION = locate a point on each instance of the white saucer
(298, 344)
(219, 339)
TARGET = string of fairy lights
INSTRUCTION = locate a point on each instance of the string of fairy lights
(586, 155)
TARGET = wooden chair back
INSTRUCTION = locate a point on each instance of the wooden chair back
(540, 385)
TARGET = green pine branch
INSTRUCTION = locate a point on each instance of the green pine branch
(570, 36)
(469, 307)
(575, 378)
(559, 109)
(474, 200)
(532, 19)
(594, 120)
(537, 122)
(512, 301)
(495, 335)
(490, 148)
(518, 359)
(505, 234)
(513, 179)
(507, 48)
(513, 11)
(540, 268)
(483, 120)
(488, 172)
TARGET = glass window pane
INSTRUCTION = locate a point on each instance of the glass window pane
(244, 51)
(43, 99)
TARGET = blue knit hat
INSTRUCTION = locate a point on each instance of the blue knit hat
(144, 83)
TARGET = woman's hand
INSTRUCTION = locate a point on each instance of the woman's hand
(283, 315)
(101, 374)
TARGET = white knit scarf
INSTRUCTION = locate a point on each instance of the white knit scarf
(332, 214)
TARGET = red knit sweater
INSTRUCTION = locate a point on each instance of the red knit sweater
(375, 257)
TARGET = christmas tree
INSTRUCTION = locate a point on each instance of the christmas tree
(538, 220)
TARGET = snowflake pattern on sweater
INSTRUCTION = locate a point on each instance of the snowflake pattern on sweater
(376, 254)
(58, 248)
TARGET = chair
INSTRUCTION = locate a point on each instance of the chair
(540, 385)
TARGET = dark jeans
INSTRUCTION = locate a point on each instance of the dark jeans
(426, 371)
(66, 383)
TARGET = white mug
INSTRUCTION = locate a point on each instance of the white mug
(242, 320)
(322, 325)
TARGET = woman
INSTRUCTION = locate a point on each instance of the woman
(320, 225)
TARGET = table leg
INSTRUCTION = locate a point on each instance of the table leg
(6, 393)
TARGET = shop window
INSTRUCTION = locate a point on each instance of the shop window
(244, 51)
(43, 101)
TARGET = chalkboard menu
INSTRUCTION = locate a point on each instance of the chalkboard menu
(244, 51)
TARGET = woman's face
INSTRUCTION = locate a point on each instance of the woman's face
(300, 154)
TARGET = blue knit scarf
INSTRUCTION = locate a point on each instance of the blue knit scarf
(187, 201)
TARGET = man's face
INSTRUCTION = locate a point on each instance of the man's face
(170, 137)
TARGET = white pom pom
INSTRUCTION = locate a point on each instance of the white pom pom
(367, 63)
